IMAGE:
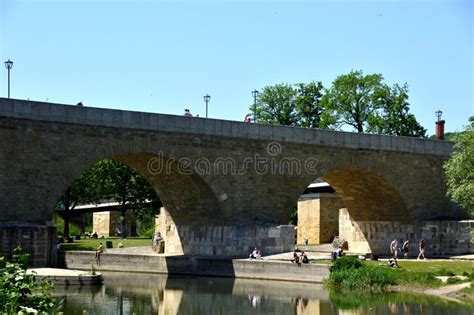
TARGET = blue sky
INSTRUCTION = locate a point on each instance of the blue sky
(163, 56)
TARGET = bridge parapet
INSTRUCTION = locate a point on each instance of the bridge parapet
(25, 109)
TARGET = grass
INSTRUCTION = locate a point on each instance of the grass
(92, 244)
(371, 277)
(438, 267)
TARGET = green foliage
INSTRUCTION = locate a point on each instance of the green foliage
(293, 217)
(394, 118)
(276, 105)
(146, 226)
(356, 98)
(459, 169)
(453, 280)
(364, 102)
(20, 291)
(111, 180)
(364, 278)
(293, 105)
(444, 272)
(345, 263)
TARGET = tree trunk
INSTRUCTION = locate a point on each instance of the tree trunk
(66, 225)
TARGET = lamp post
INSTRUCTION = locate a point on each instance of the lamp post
(207, 98)
(255, 95)
(8, 65)
(438, 114)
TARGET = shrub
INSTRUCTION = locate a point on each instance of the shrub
(345, 263)
(364, 278)
(444, 272)
(453, 280)
(20, 291)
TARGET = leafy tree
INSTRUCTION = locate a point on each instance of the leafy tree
(112, 180)
(310, 111)
(460, 169)
(276, 105)
(394, 117)
(355, 97)
(293, 105)
(81, 191)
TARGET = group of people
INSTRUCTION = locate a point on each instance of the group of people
(405, 249)
(300, 258)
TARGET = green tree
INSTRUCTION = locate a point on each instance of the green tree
(310, 112)
(393, 117)
(294, 105)
(355, 97)
(81, 191)
(116, 181)
(459, 169)
(276, 105)
(111, 180)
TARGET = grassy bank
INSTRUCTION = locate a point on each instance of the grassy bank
(348, 273)
(92, 244)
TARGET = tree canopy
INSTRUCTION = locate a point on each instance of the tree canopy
(111, 180)
(293, 105)
(363, 102)
(459, 169)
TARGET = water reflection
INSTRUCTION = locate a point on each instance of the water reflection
(158, 294)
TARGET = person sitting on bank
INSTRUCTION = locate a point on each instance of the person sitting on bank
(303, 258)
(296, 258)
(158, 243)
(392, 262)
(337, 253)
(255, 254)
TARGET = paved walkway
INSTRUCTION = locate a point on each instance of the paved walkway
(325, 254)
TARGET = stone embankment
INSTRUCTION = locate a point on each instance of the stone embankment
(193, 265)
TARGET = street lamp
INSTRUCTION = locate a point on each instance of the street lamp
(255, 95)
(8, 65)
(207, 98)
(438, 114)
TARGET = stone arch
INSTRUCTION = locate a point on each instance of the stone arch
(367, 195)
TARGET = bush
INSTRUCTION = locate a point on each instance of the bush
(444, 272)
(453, 280)
(345, 263)
(146, 226)
(364, 278)
(20, 291)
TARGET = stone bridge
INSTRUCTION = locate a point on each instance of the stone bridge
(225, 185)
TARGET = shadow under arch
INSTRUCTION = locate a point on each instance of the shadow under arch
(183, 193)
(368, 196)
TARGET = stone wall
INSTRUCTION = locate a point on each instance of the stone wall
(189, 265)
(443, 238)
(106, 223)
(37, 240)
(318, 217)
(218, 240)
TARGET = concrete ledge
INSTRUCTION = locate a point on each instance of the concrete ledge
(202, 266)
(42, 111)
(66, 277)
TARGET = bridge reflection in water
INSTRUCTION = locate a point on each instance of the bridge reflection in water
(125, 293)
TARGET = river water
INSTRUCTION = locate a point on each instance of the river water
(126, 293)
